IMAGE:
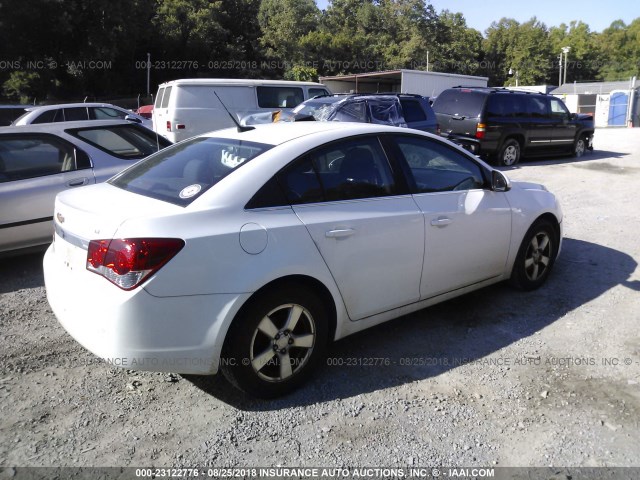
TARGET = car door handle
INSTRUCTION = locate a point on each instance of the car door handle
(340, 233)
(76, 182)
(441, 222)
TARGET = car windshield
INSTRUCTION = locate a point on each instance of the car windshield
(461, 102)
(318, 108)
(182, 173)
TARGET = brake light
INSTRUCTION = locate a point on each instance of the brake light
(180, 126)
(480, 129)
(168, 125)
(128, 262)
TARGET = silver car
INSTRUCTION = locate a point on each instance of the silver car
(38, 161)
(72, 112)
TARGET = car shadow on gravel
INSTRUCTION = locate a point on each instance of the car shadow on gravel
(19, 272)
(435, 340)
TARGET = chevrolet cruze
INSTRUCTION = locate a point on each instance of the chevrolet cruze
(248, 250)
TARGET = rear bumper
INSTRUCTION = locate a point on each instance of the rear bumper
(136, 330)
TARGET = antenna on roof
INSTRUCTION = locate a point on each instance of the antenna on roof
(240, 128)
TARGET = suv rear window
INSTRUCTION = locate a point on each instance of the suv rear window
(182, 173)
(412, 110)
(460, 102)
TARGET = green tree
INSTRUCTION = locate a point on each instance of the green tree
(582, 58)
(618, 47)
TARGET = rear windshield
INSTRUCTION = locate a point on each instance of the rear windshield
(460, 102)
(130, 142)
(182, 173)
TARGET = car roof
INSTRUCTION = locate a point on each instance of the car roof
(497, 90)
(282, 132)
(69, 105)
(236, 81)
(58, 127)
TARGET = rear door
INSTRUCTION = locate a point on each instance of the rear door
(33, 169)
(366, 226)
(539, 126)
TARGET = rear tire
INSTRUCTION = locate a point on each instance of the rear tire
(536, 256)
(274, 344)
(509, 154)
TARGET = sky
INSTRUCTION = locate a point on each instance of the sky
(479, 14)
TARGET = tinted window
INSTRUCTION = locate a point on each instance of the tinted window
(8, 115)
(182, 173)
(341, 171)
(506, 105)
(279, 97)
(49, 116)
(413, 111)
(123, 141)
(461, 102)
(25, 156)
(438, 168)
(536, 107)
(351, 112)
(165, 97)
(76, 113)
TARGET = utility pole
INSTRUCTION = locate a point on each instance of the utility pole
(566, 62)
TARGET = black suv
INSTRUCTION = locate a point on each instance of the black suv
(501, 125)
(398, 109)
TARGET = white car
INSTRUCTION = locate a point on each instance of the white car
(248, 251)
(74, 112)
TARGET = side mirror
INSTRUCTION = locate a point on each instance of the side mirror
(499, 182)
(133, 119)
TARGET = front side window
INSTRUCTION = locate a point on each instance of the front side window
(346, 170)
(24, 156)
(279, 97)
(166, 97)
(182, 173)
(558, 109)
(123, 141)
(158, 101)
(106, 113)
(438, 168)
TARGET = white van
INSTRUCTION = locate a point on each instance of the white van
(188, 107)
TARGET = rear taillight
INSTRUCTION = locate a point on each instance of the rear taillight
(128, 262)
(168, 125)
(480, 129)
(438, 131)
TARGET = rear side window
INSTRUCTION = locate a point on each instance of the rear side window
(351, 112)
(128, 142)
(505, 105)
(49, 116)
(413, 111)
(75, 113)
(461, 102)
(24, 156)
(279, 97)
(385, 112)
(182, 173)
(536, 107)
(165, 97)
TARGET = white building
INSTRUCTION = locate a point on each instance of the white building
(429, 84)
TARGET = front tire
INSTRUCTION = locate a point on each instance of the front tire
(580, 146)
(536, 256)
(509, 154)
(275, 343)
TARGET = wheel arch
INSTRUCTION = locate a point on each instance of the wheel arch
(553, 220)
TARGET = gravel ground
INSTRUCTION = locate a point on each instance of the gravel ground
(494, 378)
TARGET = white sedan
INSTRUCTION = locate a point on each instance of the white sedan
(248, 251)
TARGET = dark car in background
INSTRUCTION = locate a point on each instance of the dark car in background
(397, 109)
(39, 161)
(9, 113)
(503, 125)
